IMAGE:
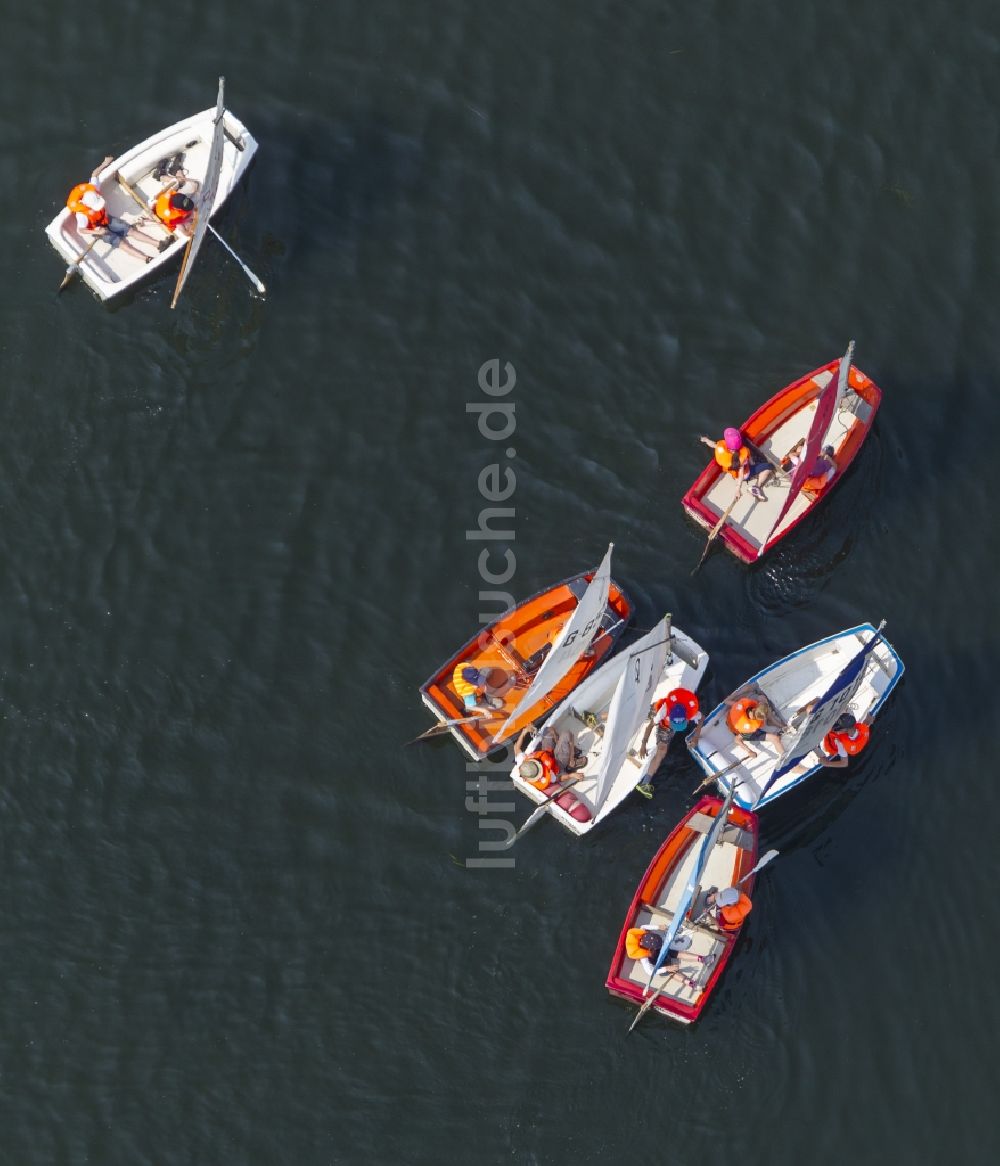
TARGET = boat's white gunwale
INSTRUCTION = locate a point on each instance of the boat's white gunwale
(151, 148)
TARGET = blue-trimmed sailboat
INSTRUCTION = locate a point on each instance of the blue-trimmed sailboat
(802, 698)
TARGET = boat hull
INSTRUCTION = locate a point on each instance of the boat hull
(506, 645)
(107, 269)
(733, 857)
(684, 670)
(775, 428)
(789, 684)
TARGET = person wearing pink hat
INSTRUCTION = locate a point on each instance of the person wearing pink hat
(741, 461)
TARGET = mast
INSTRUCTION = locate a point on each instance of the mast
(206, 195)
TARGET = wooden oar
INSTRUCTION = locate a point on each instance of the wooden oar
(537, 814)
(719, 773)
(718, 526)
(444, 726)
(74, 268)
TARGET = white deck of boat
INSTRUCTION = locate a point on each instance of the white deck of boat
(721, 870)
(788, 686)
(594, 695)
(108, 269)
(754, 518)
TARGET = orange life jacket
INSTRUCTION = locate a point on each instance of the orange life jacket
(550, 768)
(167, 213)
(731, 918)
(742, 719)
(852, 745)
(633, 949)
(724, 456)
(79, 207)
(687, 700)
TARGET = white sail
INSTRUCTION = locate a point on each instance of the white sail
(630, 705)
(205, 199)
(572, 641)
(843, 375)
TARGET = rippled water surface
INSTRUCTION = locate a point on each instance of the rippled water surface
(238, 923)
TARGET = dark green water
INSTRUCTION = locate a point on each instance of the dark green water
(237, 923)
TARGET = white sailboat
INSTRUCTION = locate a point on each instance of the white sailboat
(605, 716)
(853, 671)
(570, 644)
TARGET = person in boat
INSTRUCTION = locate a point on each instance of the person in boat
(845, 740)
(90, 209)
(824, 471)
(175, 211)
(678, 711)
(171, 174)
(557, 754)
(646, 943)
(470, 683)
(741, 461)
(731, 907)
(748, 717)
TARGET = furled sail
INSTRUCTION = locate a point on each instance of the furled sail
(571, 643)
(822, 717)
(205, 199)
(826, 406)
(630, 705)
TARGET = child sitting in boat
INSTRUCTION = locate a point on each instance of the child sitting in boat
(470, 683)
(731, 907)
(824, 470)
(678, 710)
(561, 748)
(645, 943)
(741, 460)
(747, 716)
(91, 213)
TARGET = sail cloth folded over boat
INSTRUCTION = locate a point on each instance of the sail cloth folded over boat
(571, 643)
(823, 716)
(630, 704)
(693, 884)
(206, 194)
(826, 407)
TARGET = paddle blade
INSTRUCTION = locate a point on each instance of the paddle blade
(532, 820)
(71, 271)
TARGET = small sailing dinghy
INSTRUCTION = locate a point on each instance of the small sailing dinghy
(831, 408)
(803, 695)
(216, 148)
(525, 663)
(604, 716)
(713, 847)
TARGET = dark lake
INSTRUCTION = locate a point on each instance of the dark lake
(239, 924)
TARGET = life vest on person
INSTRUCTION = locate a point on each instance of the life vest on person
(729, 460)
(95, 218)
(633, 948)
(682, 696)
(167, 213)
(731, 918)
(817, 483)
(460, 684)
(852, 745)
(743, 720)
(550, 768)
